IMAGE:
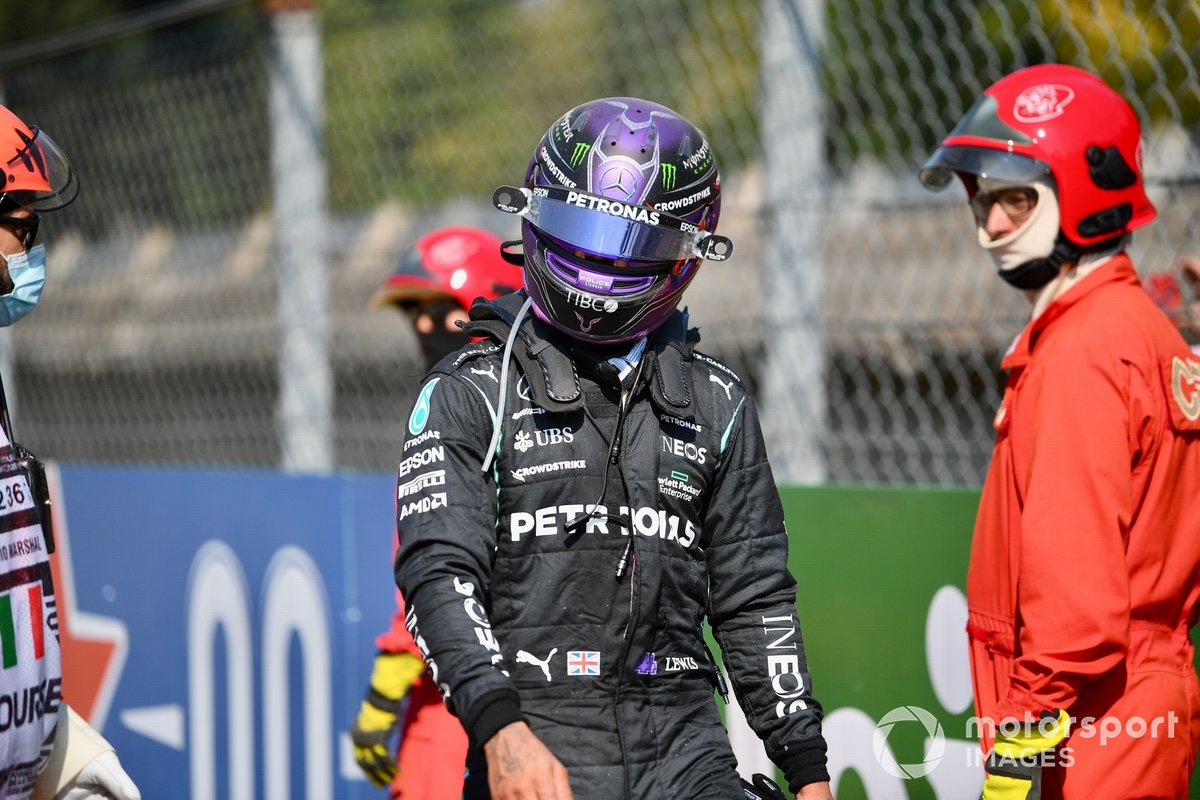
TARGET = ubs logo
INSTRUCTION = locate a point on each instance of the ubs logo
(543, 437)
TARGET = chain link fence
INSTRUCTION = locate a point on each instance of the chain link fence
(160, 337)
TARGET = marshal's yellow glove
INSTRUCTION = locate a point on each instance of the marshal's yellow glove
(1014, 767)
(391, 679)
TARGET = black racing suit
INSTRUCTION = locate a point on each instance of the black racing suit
(522, 614)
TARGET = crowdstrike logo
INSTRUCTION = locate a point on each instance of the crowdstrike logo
(933, 732)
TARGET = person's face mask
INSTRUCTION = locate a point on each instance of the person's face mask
(438, 344)
(27, 270)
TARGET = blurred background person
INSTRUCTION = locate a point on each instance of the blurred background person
(433, 286)
(1177, 293)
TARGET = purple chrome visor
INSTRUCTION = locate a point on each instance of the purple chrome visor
(611, 229)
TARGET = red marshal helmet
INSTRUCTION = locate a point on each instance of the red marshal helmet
(34, 172)
(457, 262)
(1060, 122)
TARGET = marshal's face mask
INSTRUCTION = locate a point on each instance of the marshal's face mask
(27, 270)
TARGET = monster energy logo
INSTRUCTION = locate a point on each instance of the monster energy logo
(581, 149)
(668, 176)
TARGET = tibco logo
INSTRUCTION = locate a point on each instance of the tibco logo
(608, 306)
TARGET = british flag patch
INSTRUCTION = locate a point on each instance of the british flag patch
(583, 662)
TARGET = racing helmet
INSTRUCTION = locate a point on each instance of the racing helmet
(458, 263)
(619, 206)
(1055, 124)
(34, 172)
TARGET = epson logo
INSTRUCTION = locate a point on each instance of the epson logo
(422, 458)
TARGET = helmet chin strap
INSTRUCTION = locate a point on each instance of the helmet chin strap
(1038, 272)
(511, 256)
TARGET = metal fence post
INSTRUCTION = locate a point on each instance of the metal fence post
(793, 385)
(305, 411)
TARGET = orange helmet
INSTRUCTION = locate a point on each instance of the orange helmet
(34, 171)
(1061, 122)
(458, 263)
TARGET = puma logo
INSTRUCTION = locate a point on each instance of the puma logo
(524, 657)
(726, 386)
(490, 372)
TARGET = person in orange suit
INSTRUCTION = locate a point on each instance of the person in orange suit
(1084, 575)
(433, 286)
